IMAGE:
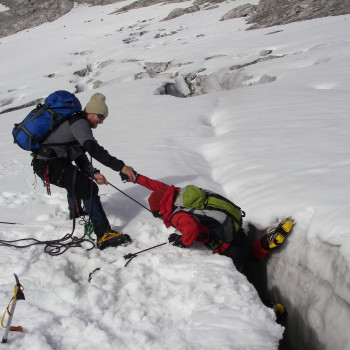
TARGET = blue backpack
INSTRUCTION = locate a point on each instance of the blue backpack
(37, 125)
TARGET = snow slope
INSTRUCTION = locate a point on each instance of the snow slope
(272, 136)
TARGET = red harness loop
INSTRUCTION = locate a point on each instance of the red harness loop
(47, 181)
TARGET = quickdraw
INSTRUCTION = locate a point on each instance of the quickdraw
(10, 310)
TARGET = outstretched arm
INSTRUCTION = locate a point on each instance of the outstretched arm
(152, 185)
(82, 133)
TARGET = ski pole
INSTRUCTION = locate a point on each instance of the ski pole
(129, 196)
(19, 295)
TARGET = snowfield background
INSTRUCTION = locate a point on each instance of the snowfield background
(271, 133)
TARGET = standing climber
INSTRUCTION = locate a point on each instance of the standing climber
(68, 143)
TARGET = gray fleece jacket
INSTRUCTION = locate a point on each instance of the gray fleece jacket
(72, 139)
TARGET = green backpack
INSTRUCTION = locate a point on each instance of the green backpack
(223, 217)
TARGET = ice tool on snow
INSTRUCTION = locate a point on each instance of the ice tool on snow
(131, 256)
(128, 257)
(19, 295)
(277, 235)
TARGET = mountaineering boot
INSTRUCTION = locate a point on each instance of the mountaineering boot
(277, 235)
(280, 312)
(112, 239)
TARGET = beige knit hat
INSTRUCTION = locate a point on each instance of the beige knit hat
(97, 105)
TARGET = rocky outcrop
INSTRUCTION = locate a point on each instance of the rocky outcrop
(25, 14)
(274, 12)
(196, 6)
(144, 3)
(180, 11)
(240, 11)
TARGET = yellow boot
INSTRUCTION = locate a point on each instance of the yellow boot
(277, 235)
(112, 239)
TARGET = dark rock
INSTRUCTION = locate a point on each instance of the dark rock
(82, 72)
(215, 56)
(25, 105)
(197, 5)
(240, 11)
(275, 12)
(24, 14)
(130, 40)
(265, 52)
(105, 64)
(144, 3)
(157, 36)
(157, 67)
(180, 11)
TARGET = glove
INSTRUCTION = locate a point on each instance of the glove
(175, 240)
(125, 177)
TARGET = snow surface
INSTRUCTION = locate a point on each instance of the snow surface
(3, 8)
(275, 143)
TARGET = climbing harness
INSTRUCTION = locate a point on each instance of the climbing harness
(19, 295)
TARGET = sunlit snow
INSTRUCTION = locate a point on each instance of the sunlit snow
(272, 136)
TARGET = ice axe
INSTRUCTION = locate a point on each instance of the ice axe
(19, 295)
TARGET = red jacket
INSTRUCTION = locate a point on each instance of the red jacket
(191, 230)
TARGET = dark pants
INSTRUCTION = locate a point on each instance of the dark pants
(241, 252)
(75, 206)
(61, 173)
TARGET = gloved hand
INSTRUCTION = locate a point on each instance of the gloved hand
(125, 177)
(175, 240)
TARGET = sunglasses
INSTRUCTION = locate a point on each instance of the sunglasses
(101, 116)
